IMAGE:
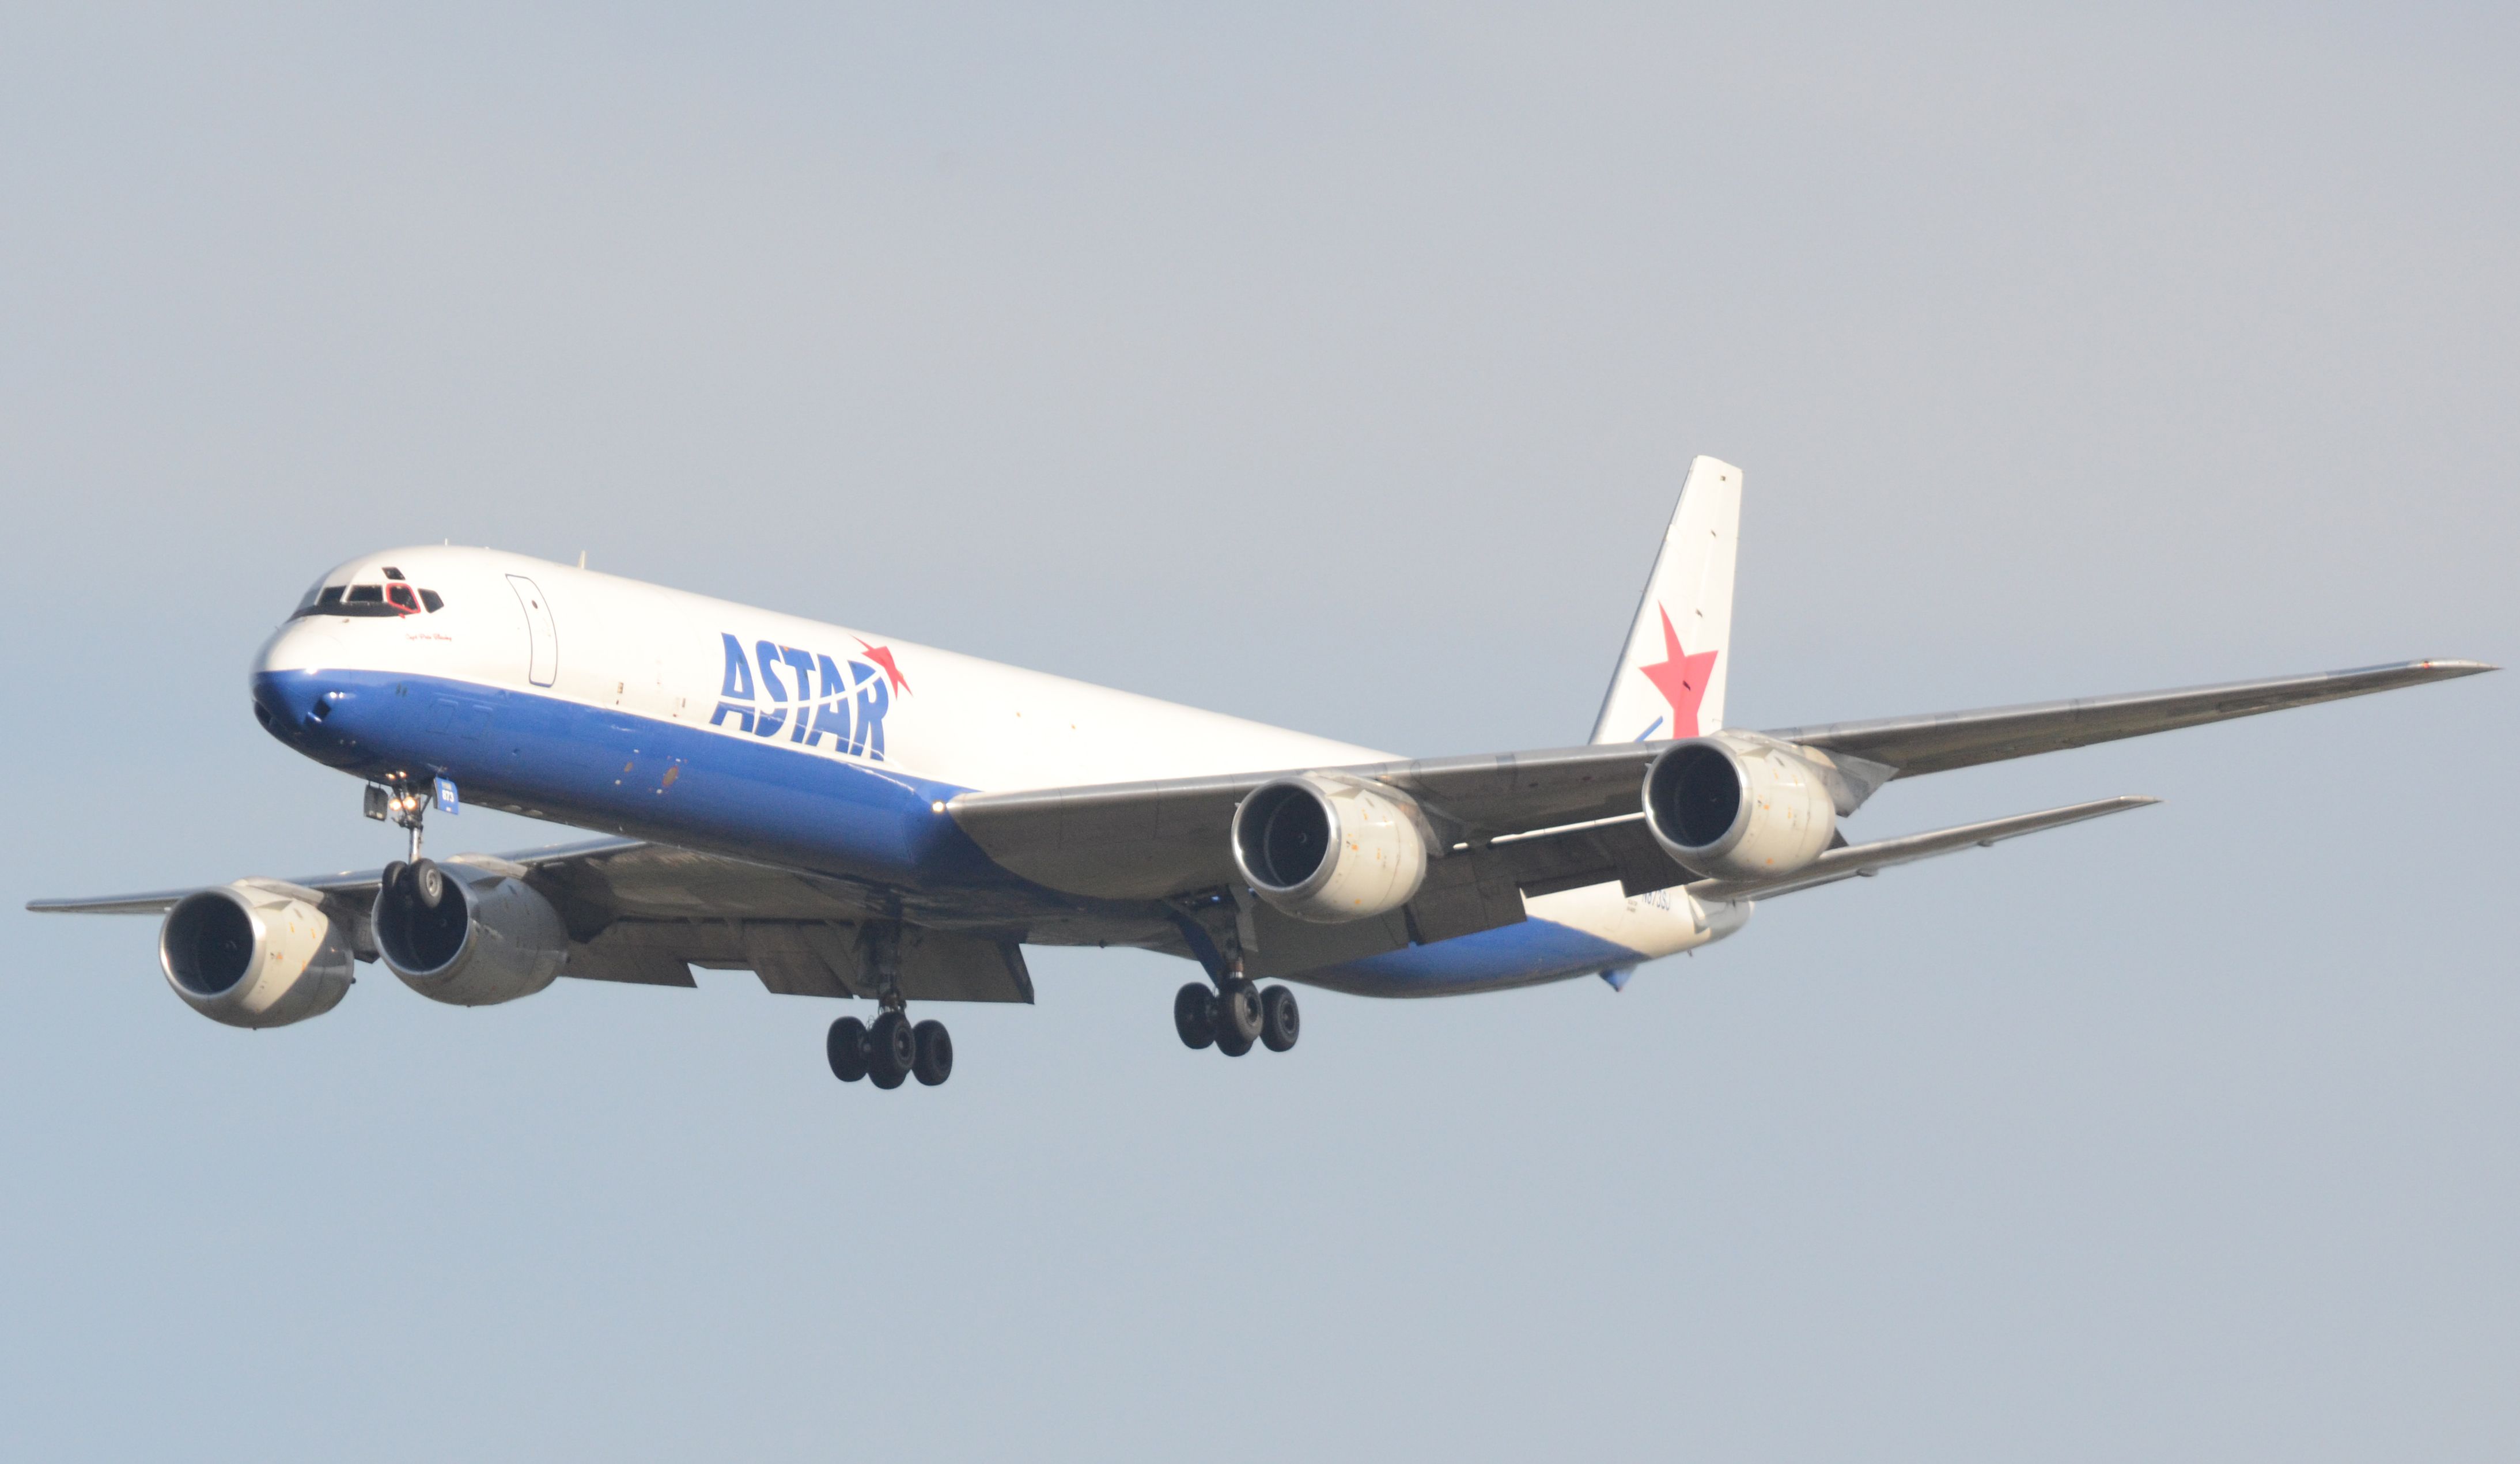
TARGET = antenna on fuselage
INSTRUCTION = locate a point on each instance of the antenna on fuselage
(581, 559)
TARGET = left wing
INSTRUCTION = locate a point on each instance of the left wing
(1157, 839)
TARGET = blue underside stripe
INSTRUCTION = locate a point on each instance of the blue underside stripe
(763, 800)
(1514, 955)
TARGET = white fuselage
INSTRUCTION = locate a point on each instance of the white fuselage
(679, 680)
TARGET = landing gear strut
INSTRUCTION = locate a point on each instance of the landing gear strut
(1234, 1014)
(393, 800)
(893, 1049)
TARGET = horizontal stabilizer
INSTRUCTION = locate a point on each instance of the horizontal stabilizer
(1871, 858)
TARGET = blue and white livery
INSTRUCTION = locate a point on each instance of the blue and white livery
(851, 815)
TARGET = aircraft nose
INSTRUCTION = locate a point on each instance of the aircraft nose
(298, 645)
(290, 700)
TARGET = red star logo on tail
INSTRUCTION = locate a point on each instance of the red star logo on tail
(1680, 677)
(882, 656)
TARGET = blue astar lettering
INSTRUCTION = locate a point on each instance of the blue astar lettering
(846, 705)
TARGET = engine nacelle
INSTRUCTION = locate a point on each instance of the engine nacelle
(489, 937)
(1738, 811)
(255, 954)
(1330, 850)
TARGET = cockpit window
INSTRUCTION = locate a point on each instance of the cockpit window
(365, 601)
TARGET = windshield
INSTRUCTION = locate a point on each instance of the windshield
(395, 597)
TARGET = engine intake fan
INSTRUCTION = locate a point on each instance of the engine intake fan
(255, 954)
(466, 935)
(1732, 811)
(1330, 850)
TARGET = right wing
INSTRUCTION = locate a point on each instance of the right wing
(1507, 826)
(647, 913)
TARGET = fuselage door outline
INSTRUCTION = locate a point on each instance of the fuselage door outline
(543, 663)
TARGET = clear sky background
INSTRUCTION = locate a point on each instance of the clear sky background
(1334, 365)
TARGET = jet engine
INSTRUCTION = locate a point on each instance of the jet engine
(1734, 811)
(467, 935)
(255, 954)
(1330, 850)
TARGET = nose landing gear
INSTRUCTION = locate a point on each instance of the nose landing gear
(393, 800)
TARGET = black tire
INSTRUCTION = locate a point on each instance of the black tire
(1195, 1016)
(428, 883)
(392, 881)
(1237, 1014)
(891, 1049)
(887, 1080)
(1233, 1043)
(847, 1046)
(935, 1061)
(1280, 1022)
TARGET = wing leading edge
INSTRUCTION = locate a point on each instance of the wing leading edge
(1155, 839)
(1530, 823)
(646, 913)
(1944, 741)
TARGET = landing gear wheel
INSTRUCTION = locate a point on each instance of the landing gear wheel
(1279, 1022)
(847, 1046)
(1237, 1017)
(1195, 1016)
(891, 1049)
(395, 873)
(428, 882)
(935, 1061)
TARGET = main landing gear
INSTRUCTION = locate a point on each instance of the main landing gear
(891, 1051)
(1235, 1015)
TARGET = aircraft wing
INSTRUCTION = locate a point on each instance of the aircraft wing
(1509, 825)
(1939, 743)
(1148, 841)
(647, 913)
(346, 887)
(1159, 839)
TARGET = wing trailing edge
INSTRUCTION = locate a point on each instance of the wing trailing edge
(1159, 839)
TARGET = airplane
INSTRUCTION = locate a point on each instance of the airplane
(852, 816)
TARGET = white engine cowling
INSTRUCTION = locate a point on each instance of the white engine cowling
(1737, 812)
(1328, 850)
(489, 937)
(253, 954)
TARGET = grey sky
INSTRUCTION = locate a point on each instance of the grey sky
(1333, 366)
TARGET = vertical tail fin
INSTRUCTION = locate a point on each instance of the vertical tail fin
(1670, 680)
